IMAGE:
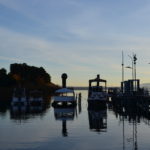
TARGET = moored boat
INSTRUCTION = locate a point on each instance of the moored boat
(97, 95)
(65, 97)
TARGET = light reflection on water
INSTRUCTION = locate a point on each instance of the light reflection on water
(43, 128)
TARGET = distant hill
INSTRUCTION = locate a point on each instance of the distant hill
(86, 88)
(146, 85)
(79, 88)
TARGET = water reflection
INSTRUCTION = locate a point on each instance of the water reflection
(128, 127)
(97, 119)
(134, 117)
(79, 103)
(3, 108)
(64, 114)
(20, 112)
(134, 134)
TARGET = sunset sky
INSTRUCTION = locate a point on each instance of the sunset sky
(82, 38)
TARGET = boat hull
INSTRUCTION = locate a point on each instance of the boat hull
(97, 104)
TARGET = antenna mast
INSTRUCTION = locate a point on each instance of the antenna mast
(122, 67)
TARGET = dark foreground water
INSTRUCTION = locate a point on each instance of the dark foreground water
(73, 129)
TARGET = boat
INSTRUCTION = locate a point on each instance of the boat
(19, 97)
(65, 97)
(97, 95)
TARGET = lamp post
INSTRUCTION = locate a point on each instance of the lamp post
(134, 60)
(122, 83)
(122, 67)
(131, 67)
(134, 66)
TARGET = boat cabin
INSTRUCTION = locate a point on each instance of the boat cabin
(130, 87)
(101, 85)
(64, 96)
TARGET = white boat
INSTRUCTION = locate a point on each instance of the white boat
(97, 95)
(65, 97)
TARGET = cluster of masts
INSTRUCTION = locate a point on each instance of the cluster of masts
(133, 60)
(134, 78)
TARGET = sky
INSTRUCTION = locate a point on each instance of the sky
(82, 38)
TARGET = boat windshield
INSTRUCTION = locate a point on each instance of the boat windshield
(66, 94)
(97, 89)
(65, 90)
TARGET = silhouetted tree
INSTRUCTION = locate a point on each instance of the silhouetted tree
(23, 72)
(3, 72)
(6, 80)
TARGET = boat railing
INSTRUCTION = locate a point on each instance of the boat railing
(64, 98)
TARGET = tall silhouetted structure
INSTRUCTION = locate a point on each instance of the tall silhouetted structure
(64, 77)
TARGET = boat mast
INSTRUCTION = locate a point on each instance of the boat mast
(135, 59)
(122, 83)
(122, 67)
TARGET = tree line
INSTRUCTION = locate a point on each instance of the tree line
(23, 73)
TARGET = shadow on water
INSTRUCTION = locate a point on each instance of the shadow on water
(128, 111)
(4, 106)
(97, 119)
(66, 113)
(25, 112)
(4, 102)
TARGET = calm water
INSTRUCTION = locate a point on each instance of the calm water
(78, 128)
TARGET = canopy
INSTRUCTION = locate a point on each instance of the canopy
(64, 90)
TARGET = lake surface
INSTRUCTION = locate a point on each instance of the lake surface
(78, 128)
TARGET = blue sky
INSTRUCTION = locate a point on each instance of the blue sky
(80, 37)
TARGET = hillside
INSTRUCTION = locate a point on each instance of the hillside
(25, 76)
